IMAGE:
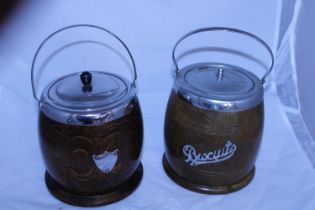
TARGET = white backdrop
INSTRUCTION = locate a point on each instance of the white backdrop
(150, 29)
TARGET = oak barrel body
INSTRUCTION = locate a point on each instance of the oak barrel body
(93, 160)
(211, 151)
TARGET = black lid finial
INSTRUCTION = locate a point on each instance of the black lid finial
(86, 79)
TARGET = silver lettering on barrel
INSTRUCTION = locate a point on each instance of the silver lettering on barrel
(219, 155)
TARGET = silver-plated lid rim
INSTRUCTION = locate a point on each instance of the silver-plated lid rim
(46, 93)
(91, 118)
(97, 115)
(189, 68)
(218, 102)
(221, 106)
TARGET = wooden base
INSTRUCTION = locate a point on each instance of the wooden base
(106, 198)
(206, 189)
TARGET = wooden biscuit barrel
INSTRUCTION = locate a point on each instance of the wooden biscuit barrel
(91, 133)
(214, 124)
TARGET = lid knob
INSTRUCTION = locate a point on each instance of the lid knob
(86, 79)
(220, 73)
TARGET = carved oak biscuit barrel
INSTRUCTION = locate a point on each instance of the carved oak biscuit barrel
(213, 124)
(91, 133)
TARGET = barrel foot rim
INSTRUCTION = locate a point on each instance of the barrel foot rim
(206, 189)
(101, 199)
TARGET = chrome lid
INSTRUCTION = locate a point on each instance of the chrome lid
(87, 98)
(219, 87)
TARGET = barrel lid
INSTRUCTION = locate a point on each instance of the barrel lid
(219, 87)
(87, 98)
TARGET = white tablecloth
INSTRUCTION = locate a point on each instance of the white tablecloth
(285, 178)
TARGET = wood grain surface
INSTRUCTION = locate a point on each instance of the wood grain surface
(208, 131)
(68, 152)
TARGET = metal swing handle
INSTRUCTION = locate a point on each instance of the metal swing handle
(227, 30)
(76, 26)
